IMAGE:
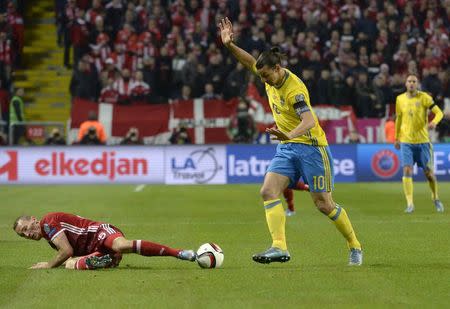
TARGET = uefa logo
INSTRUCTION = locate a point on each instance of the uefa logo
(385, 163)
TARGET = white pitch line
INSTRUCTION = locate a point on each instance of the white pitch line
(139, 188)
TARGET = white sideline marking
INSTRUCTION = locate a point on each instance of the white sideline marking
(139, 188)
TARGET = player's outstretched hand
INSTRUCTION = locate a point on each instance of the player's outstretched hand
(277, 134)
(40, 265)
(226, 31)
(432, 126)
(397, 145)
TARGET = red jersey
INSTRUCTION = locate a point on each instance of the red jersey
(84, 235)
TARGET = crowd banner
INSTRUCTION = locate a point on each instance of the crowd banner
(370, 130)
(194, 164)
(207, 120)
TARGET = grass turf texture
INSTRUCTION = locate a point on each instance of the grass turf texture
(406, 258)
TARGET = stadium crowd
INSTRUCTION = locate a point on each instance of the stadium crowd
(347, 52)
(12, 36)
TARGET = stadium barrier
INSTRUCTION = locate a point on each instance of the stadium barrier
(35, 132)
(192, 164)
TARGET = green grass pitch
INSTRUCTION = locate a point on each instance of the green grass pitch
(406, 261)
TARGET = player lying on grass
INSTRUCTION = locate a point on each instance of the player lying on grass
(85, 244)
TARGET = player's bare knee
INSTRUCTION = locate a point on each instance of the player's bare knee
(122, 245)
(429, 175)
(70, 263)
(324, 204)
(268, 194)
(407, 171)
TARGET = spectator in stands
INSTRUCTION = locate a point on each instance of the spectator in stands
(111, 69)
(323, 87)
(397, 85)
(85, 83)
(236, 82)
(242, 127)
(67, 20)
(381, 97)
(122, 85)
(365, 96)
(199, 81)
(189, 71)
(180, 136)
(55, 138)
(132, 138)
(6, 57)
(79, 36)
(109, 94)
(216, 71)
(139, 90)
(92, 131)
(311, 85)
(389, 130)
(186, 93)
(210, 92)
(17, 115)
(175, 44)
(336, 90)
(431, 82)
(348, 92)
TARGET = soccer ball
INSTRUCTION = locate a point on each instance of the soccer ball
(209, 255)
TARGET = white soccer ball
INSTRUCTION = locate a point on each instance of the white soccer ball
(209, 255)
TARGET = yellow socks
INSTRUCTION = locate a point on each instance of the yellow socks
(343, 224)
(408, 189)
(434, 189)
(276, 221)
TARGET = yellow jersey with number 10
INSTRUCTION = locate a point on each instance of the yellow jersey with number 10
(413, 113)
(282, 100)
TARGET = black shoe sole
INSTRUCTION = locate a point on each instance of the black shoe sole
(267, 260)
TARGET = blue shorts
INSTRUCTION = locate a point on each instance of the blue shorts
(422, 154)
(313, 163)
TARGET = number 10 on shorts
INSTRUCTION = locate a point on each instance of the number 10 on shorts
(319, 182)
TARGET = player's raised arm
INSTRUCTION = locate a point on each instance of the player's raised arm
(226, 34)
(65, 251)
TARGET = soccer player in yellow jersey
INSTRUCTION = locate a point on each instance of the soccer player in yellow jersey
(411, 137)
(303, 150)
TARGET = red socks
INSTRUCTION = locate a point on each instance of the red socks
(289, 194)
(148, 248)
(81, 263)
(289, 197)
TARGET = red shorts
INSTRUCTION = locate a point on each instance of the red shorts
(105, 236)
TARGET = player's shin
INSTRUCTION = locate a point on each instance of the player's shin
(148, 248)
(276, 221)
(432, 182)
(408, 189)
(340, 218)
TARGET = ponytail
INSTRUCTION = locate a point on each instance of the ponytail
(270, 58)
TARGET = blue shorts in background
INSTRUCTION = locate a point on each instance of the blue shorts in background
(422, 154)
(313, 163)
